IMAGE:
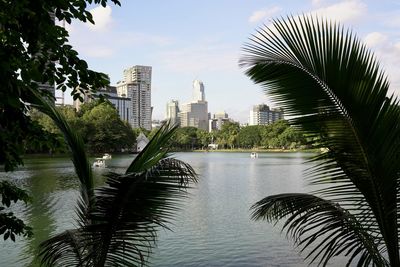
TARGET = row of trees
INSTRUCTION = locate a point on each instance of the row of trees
(277, 135)
(97, 122)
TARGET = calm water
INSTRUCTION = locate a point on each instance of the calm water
(213, 228)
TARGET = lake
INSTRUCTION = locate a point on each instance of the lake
(213, 228)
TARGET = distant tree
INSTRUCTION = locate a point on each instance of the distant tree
(249, 136)
(228, 134)
(185, 138)
(109, 132)
(203, 137)
(291, 138)
(274, 136)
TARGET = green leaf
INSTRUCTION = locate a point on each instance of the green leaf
(334, 90)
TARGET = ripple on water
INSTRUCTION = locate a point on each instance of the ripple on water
(213, 227)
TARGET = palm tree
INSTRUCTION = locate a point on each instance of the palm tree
(331, 86)
(118, 222)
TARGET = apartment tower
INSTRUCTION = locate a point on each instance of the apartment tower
(172, 113)
(137, 86)
(263, 115)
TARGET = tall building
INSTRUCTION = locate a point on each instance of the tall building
(198, 91)
(216, 122)
(195, 113)
(137, 86)
(172, 113)
(263, 115)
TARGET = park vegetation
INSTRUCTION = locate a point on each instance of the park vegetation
(97, 122)
(102, 131)
(278, 135)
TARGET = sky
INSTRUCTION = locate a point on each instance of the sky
(184, 40)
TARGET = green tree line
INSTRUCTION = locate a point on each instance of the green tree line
(279, 135)
(97, 122)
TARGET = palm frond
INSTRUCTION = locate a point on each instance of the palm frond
(78, 154)
(155, 150)
(311, 220)
(121, 228)
(57, 247)
(332, 86)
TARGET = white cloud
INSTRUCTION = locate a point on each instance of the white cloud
(102, 19)
(388, 54)
(375, 38)
(262, 14)
(344, 11)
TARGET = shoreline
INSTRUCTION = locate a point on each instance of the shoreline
(235, 150)
(240, 150)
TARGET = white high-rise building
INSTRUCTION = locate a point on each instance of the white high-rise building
(198, 91)
(195, 113)
(173, 111)
(263, 115)
(137, 86)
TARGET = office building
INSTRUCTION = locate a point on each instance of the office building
(172, 112)
(263, 115)
(216, 122)
(195, 113)
(137, 87)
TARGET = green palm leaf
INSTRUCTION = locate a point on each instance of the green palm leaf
(126, 217)
(333, 88)
(339, 231)
(78, 154)
(118, 222)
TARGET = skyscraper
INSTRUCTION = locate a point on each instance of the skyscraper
(195, 113)
(137, 86)
(173, 111)
(198, 91)
(263, 115)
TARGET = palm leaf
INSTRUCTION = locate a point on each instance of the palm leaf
(122, 225)
(78, 154)
(333, 88)
(340, 232)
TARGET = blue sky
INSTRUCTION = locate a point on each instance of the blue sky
(187, 40)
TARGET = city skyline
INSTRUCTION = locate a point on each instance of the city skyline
(203, 40)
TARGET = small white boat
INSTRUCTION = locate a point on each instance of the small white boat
(99, 163)
(107, 156)
(254, 155)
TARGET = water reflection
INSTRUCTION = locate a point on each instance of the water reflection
(214, 227)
